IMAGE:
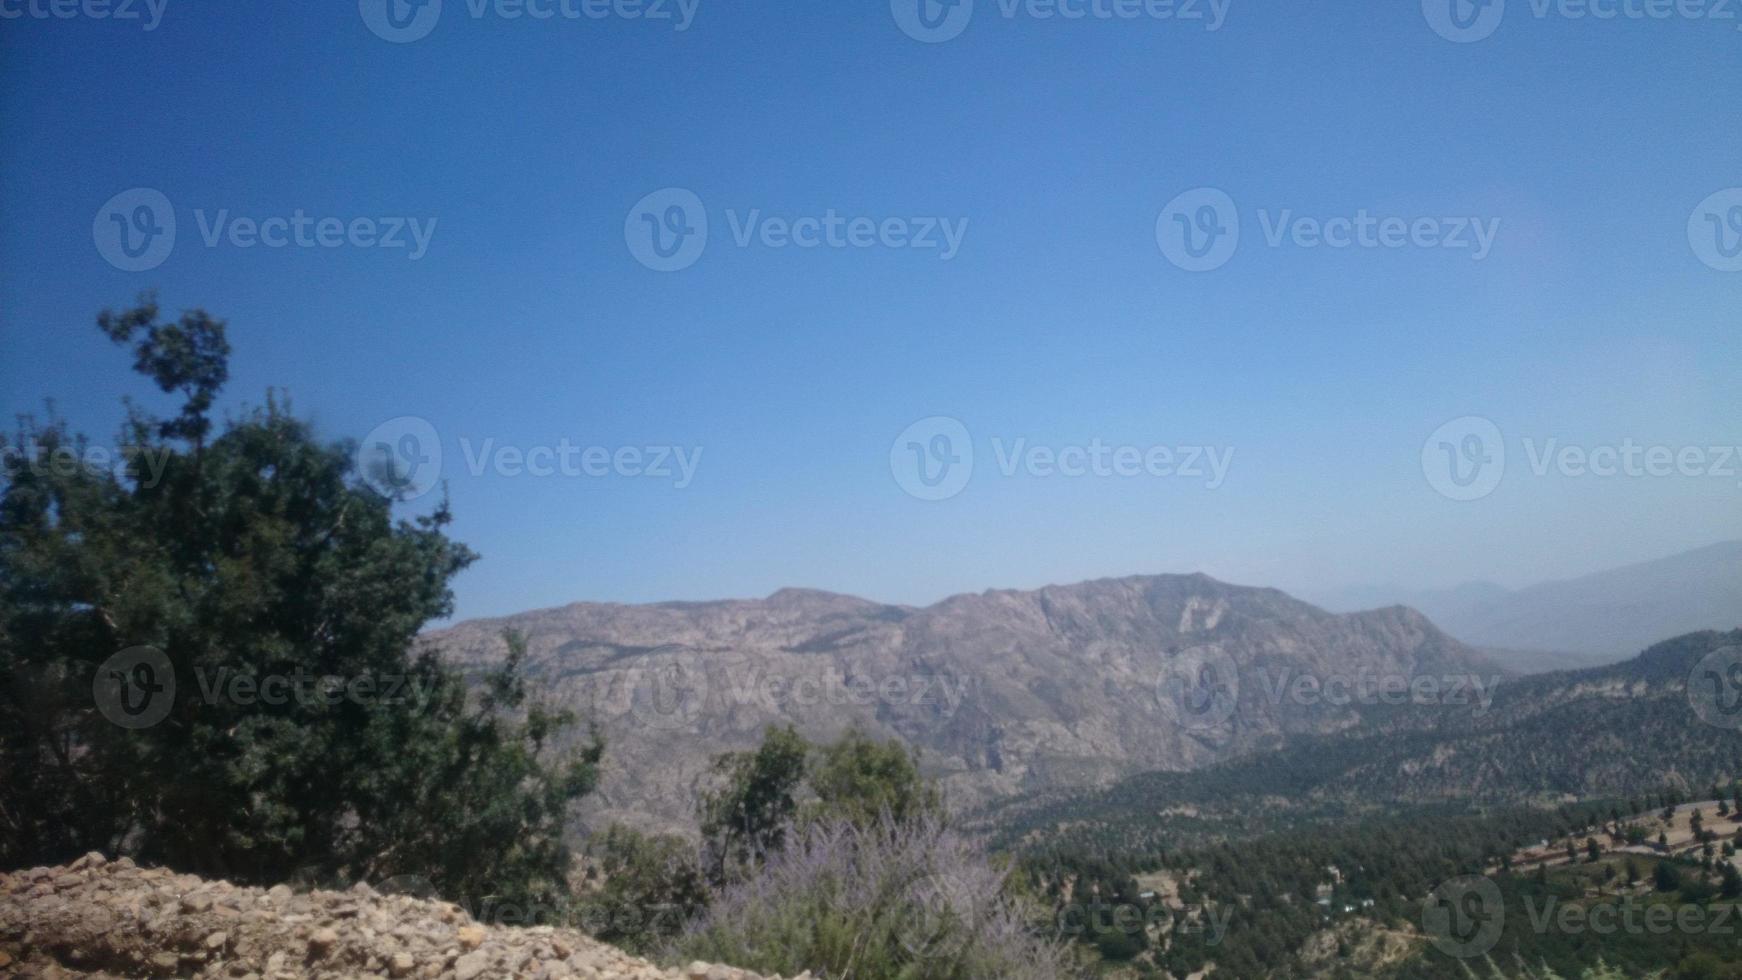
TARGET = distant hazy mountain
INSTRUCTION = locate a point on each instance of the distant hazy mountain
(1605, 731)
(1605, 616)
(1003, 692)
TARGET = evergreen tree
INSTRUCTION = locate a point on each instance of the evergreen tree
(208, 659)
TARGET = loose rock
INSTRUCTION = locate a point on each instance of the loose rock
(110, 920)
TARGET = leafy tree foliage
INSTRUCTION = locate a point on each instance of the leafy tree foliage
(747, 817)
(301, 730)
(861, 780)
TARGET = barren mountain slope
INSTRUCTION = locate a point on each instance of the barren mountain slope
(1002, 692)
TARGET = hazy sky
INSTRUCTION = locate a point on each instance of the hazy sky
(1537, 226)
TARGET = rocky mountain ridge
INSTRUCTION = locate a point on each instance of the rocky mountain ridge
(1001, 692)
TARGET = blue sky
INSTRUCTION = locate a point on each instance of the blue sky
(1055, 146)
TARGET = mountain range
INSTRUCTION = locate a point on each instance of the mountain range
(1584, 621)
(1001, 693)
(1651, 722)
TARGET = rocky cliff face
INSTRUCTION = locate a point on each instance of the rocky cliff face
(96, 918)
(1002, 692)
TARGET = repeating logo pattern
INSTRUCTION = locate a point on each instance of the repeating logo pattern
(1715, 688)
(1465, 459)
(401, 21)
(666, 695)
(401, 458)
(933, 459)
(135, 230)
(1199, 688)
(135, 688)
(1464, 916)
(932, 21)
(1199, 230)
(1715, 230)
(667, 230)
(1464, 21)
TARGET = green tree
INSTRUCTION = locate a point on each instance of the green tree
(252, 561)
(859, 780)
(747, 816)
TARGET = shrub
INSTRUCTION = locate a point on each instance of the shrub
(892, 901)
(653, 885)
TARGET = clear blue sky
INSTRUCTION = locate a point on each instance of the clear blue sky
(1592, 320)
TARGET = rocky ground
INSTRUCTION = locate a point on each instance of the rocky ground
(111, 919)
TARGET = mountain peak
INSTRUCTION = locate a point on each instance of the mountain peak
(1003, 692)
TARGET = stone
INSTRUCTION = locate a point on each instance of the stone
(140, 923)
(322, 941)
(196, 903)
(471, 965)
